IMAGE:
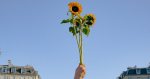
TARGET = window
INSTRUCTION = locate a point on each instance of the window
(0, 69)
(138, 71)
(13, 70)
(4, 69)
(23, 70)
(8, 70)
(148, 71)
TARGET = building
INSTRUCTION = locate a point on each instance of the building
(11, 71)
(135, 73)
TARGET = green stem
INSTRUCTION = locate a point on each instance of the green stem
(77, 40)
(81, 47)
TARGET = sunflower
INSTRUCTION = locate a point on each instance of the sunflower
(75, 8)
(89, 19)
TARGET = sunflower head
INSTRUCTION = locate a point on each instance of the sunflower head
(89, 19)
(75, 8)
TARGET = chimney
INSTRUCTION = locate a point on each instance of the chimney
(9, 63)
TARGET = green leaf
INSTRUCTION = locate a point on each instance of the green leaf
(85, 17)
(77, 28)
(72, 30)
(71, 21)
(65, 21)
(86, 30)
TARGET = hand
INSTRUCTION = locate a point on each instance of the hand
(80, 72)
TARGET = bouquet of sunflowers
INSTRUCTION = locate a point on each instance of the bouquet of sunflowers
(79, 25)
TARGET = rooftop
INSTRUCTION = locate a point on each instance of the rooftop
(12, 69)
(134, 71)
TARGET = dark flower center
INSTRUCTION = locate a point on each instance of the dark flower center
(75, 9)
(77, 24)
(90, 18)
(89, 23)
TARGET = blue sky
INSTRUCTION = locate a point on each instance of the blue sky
(31, 33)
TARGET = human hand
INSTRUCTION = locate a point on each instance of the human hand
(80, 72)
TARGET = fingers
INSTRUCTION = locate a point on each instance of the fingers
(82, 70)
(82, 67)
